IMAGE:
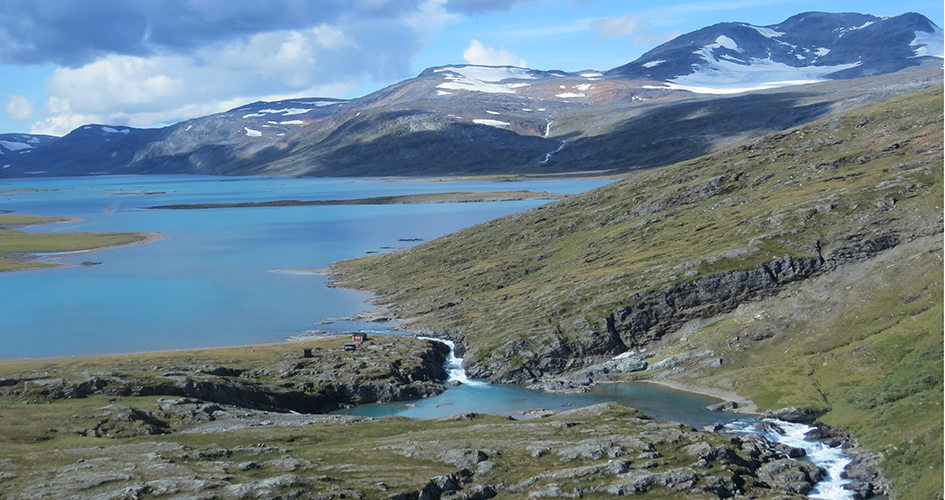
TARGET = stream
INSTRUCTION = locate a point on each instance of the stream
(656, 401)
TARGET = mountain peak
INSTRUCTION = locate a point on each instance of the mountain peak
(808, 47)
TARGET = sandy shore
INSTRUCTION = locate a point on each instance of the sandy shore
(322, 271)
(745, 406)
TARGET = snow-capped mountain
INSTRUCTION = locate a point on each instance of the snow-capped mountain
(469, 120)
(809, 47)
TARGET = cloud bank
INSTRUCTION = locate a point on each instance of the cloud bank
(150, 62)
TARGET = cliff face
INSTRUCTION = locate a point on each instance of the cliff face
(659, 313)
(387, 370)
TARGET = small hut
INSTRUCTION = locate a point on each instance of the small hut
(358, 337)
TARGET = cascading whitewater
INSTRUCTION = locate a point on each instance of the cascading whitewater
(833, 460)
(454, 365)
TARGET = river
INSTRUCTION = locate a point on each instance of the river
(656, 401)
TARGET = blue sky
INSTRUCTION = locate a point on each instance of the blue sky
(145, 63)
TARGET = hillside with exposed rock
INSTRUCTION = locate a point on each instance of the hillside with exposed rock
(803, 268)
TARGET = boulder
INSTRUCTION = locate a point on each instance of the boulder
(794, 476)
(463, 458)
(723, 406)
(793, 414)
(671, 362)
(627, 365)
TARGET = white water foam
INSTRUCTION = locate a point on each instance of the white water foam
(833, 460)
(454, 366)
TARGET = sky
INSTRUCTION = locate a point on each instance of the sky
(148, 63)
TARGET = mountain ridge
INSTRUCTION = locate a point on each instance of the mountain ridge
(829, 46)
(481, 120)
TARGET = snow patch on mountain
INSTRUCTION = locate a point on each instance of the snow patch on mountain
(653, 64)
(489, 73)
(320, 103)
(929, 44)
(252, 133)
(286, 111)
(844, 31)
(15, 146)
(728, 77)
(491, 123)
(723, 41)
(766, 32)
(484, 78)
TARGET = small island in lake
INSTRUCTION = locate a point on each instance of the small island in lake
(18, 249)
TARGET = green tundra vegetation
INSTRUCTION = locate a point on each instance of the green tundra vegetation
(17, 243)
(859, 342)
(111, 427)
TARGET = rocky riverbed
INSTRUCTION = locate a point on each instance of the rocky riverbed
(246, 423)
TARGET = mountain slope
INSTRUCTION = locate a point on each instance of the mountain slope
(813, 46)
(808, 263)
(478, 120)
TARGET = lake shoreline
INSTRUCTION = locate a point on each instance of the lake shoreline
(35, 259)
(410, 199)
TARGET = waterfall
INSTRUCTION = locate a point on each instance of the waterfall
(833, 460)
(549, 155)
(454, 366)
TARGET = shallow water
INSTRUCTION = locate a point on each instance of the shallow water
(209, 282)
(656, 401)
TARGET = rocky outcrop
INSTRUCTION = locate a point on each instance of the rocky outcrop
(379, 372)
(655, 314)
(581, 380)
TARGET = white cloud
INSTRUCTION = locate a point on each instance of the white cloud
(331, 37)
(615, 27)
(479, 54)
(431, 16)
(638, 26)
(19, 108)
(322, 61)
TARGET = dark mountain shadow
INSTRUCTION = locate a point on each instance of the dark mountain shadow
(454, 149)
(679, 132)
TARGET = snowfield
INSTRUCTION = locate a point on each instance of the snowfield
(929, 44)
(724, 74)
(15, 146)
(483, 78)
(491, 123)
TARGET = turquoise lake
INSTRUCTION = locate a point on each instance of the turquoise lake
(210, 281)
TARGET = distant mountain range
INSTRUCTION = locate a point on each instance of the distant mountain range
(669, 105)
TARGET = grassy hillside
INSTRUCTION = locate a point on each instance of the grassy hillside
(14, 242)
(859, 196)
